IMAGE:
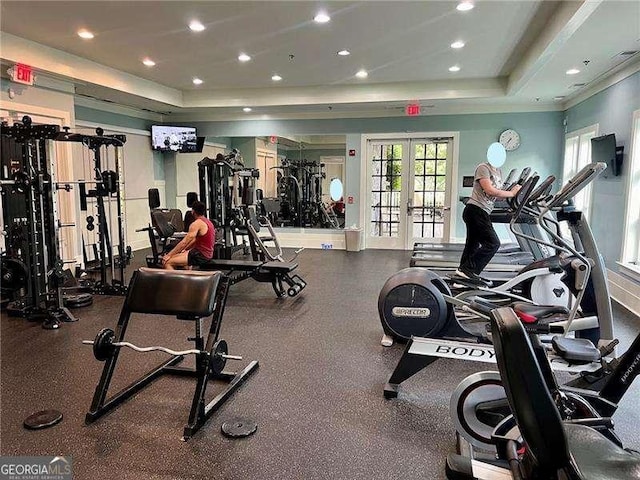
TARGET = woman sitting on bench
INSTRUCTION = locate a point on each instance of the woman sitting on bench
(196, 248)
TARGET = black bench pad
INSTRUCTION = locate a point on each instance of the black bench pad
(248, 265)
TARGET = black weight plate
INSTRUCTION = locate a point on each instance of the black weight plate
(78, 300)
(218, 362)
(238, 428)
(102, 348)
(42, 419)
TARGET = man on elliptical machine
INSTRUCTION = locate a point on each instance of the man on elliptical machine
(482, 241)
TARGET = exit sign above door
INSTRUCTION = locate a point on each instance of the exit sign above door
(21, 73)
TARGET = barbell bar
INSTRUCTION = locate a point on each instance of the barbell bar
(104, 347)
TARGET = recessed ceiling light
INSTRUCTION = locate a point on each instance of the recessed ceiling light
(196, 26)
(86, 34)
(243, 57)
(276, 78)
(455, 68)
(573, 71)
(344, 53)
(148, 62)
(246, 109)
(197, 81)
(458, 44)
(321, 17)
(559, 97)
(362, 74)
(465, 6)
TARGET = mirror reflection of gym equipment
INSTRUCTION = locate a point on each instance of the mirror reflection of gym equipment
(295, 177)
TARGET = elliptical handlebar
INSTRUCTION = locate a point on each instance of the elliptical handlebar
(543, 190)
(579, 181)
(524, 176)
(508, 182)
(522, 197)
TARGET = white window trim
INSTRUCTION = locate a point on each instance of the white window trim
(595, 129)
(631, 238)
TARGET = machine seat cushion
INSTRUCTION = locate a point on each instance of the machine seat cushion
(575, 349)
(219, 264)
(597, 458)
(181, 293)
(280, 266)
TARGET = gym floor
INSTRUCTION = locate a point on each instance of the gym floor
(317, 396)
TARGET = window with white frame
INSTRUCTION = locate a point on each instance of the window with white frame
(631, 242)
(577, 154)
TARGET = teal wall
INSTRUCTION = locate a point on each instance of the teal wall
(247, 148)
(612, 109)
(108, 118)
(541, 134)
(101, 117)
(314, 155)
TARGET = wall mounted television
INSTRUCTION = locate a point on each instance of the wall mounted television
(174, 139)
(603, 149)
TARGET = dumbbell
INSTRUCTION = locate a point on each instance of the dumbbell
(104, 348)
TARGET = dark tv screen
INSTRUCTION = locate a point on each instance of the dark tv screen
(174, 139)
(603, 149)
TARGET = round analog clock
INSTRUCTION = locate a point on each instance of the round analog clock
(510, 139)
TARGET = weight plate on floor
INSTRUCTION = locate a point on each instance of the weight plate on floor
(238, 428)
(42, 419)
(78, 300)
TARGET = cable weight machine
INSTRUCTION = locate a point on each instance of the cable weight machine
(31, 267)
(107, 185)
(300, 195)
(225, 187)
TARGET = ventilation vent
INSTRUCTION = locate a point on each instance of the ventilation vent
(578, 85)
(627, 53)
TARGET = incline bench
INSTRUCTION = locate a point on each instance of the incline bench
(277, 273)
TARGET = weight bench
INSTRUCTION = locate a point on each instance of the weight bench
(277, 273)
(188, 295)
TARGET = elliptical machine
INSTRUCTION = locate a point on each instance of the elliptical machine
(418, 302)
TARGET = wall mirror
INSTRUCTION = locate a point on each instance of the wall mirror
(296, 175)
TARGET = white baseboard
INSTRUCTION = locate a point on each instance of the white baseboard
(624, 291)
(139, 245)
(311, 240)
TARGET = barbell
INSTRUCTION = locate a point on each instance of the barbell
(104, 347)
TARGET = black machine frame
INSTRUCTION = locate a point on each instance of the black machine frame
(204, 369)
(32, 193)
(107, 184)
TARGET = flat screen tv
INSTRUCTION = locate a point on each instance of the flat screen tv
(603, 149)
(174, 139)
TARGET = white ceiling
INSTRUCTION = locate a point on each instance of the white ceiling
(516, 52)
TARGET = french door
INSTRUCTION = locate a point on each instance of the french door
(409, 184)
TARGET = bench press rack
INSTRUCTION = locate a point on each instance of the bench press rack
(188, 295)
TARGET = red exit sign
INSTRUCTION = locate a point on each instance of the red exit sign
(21, 73)
(413, 109)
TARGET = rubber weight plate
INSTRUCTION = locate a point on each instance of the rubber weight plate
(239, 428)
(42, 419)
(78, 300)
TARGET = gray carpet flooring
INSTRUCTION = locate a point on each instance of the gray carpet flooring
(317, 396)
